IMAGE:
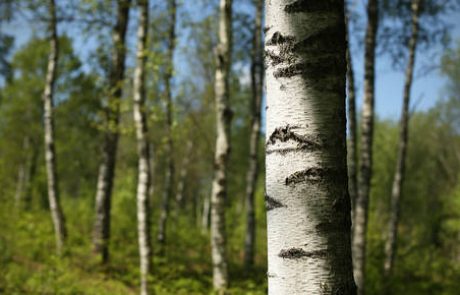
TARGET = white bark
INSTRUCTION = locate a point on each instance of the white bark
(140, 120)
(223, 121)
(308, 207)
(50, 152)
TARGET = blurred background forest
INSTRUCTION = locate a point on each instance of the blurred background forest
(182, 135)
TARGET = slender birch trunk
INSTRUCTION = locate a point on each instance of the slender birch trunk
(140, 120)
(307, 201)
(183, 174)
(253, 171)
(50, 152)
(352, 140)
(222, 153)
(398, 180)
(101, 231)
(169, 187)
(365, 161)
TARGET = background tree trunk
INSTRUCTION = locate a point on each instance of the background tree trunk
(222, 153)
(253, 170)
(101, 234)
(30, 176)
(398, 180)
(140, 120)
(21, 183)
(365, 161)
(169, 187)
(206, 213)
(50, 152)
(307, 201)
(352, 140)
(183, 174)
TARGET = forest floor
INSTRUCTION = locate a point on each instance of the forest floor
(28, 264)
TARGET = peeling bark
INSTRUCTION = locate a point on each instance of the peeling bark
(169, 187)
(253, 170)
(143, 150)
(365, 160)
(308, 206)
(101, 230)
(50, 150)
(399, 176)
(222, 149)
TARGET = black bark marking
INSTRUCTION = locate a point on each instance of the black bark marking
(308, 6)
(285, 134)
(289, 71)
(297, 253)
(322, 67)
(271, 203)
(278, 38)
(313, 175)
(284, 151)
(266, 29)
(275, 59)
(285, 45)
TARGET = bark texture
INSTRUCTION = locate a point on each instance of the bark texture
(140, 120)
(365, 160)
(398, 180)
(222, 152)
(101, 232)
(307, 201)
(352, 140)
(169, 186)
(253, 170)
(50, 151)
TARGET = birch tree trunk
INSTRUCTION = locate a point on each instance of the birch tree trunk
(50, 153)
(253, 171)
(140, 120)
(101, 232)
(365, 161)
(169, 187)
(307, 201)
(398, 180)
(352, 140)
(222, 153)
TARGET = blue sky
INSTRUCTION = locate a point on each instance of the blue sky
(426, 90)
